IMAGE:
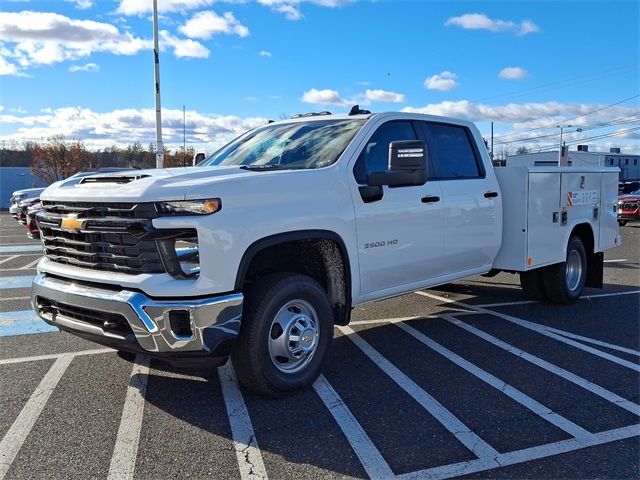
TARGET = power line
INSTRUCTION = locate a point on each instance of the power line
(563, 83)
(569, 119)
(612, 123)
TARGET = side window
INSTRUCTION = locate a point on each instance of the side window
(451, 151)
(375, 155)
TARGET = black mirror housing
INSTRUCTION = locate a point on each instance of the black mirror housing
(407, 165)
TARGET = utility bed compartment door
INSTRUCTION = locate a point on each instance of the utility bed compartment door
(545, 237)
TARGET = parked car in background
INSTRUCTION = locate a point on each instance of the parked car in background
(32, 226)
(20, 195)
(23, 206)
(629, 208)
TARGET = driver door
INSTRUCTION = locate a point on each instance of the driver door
(400, 236)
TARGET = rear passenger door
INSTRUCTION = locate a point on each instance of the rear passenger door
(472, 228)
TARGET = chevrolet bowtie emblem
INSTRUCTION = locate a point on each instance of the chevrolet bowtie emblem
(71, 223)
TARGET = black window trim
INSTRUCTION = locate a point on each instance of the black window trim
(482, 173)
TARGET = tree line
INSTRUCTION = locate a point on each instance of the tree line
(58, 158)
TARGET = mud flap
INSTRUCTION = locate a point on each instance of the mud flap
(595, 270)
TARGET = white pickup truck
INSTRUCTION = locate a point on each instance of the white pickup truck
(259, 250)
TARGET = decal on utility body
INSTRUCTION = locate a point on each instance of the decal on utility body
(583, 197)
(380, 244)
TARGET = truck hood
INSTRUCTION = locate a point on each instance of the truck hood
(144, 185)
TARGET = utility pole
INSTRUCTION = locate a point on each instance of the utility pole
(560, 149)
(156, 76)
(492, 141)
(184, 137)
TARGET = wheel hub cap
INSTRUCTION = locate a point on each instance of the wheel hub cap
(294, 336)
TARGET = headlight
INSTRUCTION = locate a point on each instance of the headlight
(190, 207)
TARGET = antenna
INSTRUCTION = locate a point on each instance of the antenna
(156, 76)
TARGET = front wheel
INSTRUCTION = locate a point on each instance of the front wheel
(622, 223)
(563, 282)
(286, 330)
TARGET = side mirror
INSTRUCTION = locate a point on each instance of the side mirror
(407, 165)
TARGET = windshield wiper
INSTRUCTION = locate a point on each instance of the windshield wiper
(257, 168)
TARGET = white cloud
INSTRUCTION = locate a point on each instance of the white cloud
(479, 21)
(124, 126)
(82, 4)
(265, 53)
(140, 7)
(45, 38)
(87, 67)
(512, 73)
(204, 25)
(7, 68)
(323, 97)
(291, 8)
(520, 121)
(443, 81)
(183, 47)
(384, 96)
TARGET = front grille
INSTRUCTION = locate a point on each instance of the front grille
(628, 206)
(111, 322)
(113, 237)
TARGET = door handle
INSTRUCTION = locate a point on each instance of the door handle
(430, 199)
(491, 195)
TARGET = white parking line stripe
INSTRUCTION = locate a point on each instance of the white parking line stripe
(17, 434)
(51, 356)
(468, 438)
(371, 459)
(571, 377)
(512, 392)
(593, 341)
(521, 456)
(8, 259)
(7, 299)
(4, 255)
(30, 265)
(125, 451)
(612, 294)
(244, 439)
(616, 260)
(388, 320)
(542, 331)
(21, 248)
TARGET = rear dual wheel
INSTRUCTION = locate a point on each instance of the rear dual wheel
(560, 283)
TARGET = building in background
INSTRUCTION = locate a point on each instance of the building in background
(15, 178)
(629, 164)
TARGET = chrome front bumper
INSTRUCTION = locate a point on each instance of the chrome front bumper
(212, 322)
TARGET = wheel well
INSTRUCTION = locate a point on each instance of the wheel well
(585, 233)
(322, 259)
(595, 261)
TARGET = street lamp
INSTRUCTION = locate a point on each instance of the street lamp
(562, 127)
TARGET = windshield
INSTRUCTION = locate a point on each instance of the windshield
(297, 145)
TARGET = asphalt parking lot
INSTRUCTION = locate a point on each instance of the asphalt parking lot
(466, 380)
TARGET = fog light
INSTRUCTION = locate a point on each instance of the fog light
(188, 256)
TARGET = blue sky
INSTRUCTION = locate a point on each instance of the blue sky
(84, 69)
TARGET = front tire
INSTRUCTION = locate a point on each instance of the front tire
(622, 223)
(564, 281)
(286, 331)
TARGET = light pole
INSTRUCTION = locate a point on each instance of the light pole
(156, 59)
(562, 127)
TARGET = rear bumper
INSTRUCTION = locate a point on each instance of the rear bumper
(131, 321)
